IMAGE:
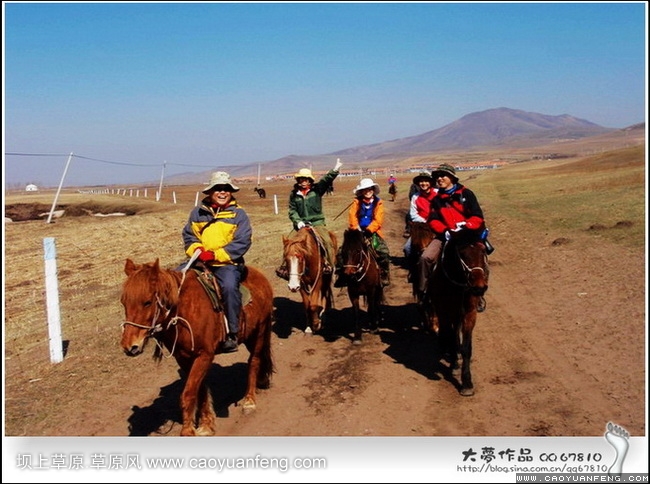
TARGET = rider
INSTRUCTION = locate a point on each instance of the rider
(420, 205)
(306, 208)
(455, 213)
(367, 214)
(221, 231)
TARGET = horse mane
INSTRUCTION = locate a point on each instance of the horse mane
(299, 242)
(150, 277)
(353, 237)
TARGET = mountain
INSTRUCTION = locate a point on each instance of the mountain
(499, 127)
(491, 128)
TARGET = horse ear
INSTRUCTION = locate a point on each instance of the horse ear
(156, 265)
(129, 267)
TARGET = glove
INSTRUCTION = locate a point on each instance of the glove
(206, 256)
(338, 164)
(300, 225)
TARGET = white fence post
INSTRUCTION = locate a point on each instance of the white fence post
(275, 203)
(52, 293)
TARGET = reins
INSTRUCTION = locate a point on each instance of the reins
(467, 270)
(157, 323)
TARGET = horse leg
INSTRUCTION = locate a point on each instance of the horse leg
(374, 309)
(469, 321)
(207, 417)
(354, 299)
(190, 395)
(249, 404)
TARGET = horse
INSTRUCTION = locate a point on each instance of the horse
(421, 235)
(173, 308)
(305, 256)
(260, 191)
(456, 292)
(392, 190)
(364, 279)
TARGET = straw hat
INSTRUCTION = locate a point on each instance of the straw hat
(366, 183)
(220, 178)
(304, 173)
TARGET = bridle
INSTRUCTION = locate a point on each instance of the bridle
(467, 269)
(300, 255)
(363, 266)
(157, 322)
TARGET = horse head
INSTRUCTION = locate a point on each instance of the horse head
(353, 252)
(295, 253)
(149, 294)
(473, 258)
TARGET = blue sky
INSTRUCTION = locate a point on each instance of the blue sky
(206, 85)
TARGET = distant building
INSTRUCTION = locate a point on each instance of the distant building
(31, 188)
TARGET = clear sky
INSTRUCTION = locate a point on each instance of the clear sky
(130, 86)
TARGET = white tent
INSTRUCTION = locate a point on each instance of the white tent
(31, 188)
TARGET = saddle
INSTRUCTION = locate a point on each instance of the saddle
(327, 268)
(209, 283)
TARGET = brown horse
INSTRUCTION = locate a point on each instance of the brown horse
(174, 309)
(456, 289)
(421, 234)
(260, 191)
(304, 255)
(364, 279)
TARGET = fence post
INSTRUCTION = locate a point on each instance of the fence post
(52, 294)
(275, 204)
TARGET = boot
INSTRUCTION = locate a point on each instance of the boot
(282, 272)
(385, 278)
(230, 345)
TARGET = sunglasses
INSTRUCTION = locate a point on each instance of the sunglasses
(221, 188)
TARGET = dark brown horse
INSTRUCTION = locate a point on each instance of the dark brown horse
(455, 296)
(456, 289)
(364, 279)
(173, 308)
(260, 191)
(392, 190)
(304, 255)
(421, 234)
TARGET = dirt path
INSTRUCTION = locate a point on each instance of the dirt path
(558, 352)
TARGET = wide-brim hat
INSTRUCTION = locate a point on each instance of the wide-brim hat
(220, 178)
(445, 170)
(304, 173)
(364, 184)
(423, 175)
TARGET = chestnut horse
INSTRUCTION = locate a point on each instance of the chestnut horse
(455, 295)
(174, 309)
(305, 256)
(364, 279)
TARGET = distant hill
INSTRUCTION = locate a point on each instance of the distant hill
(493, 128)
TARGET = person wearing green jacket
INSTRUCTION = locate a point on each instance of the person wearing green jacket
(306, 208)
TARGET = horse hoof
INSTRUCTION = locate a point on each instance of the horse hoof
(248, 407)
(467, 392)
(204, 431)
